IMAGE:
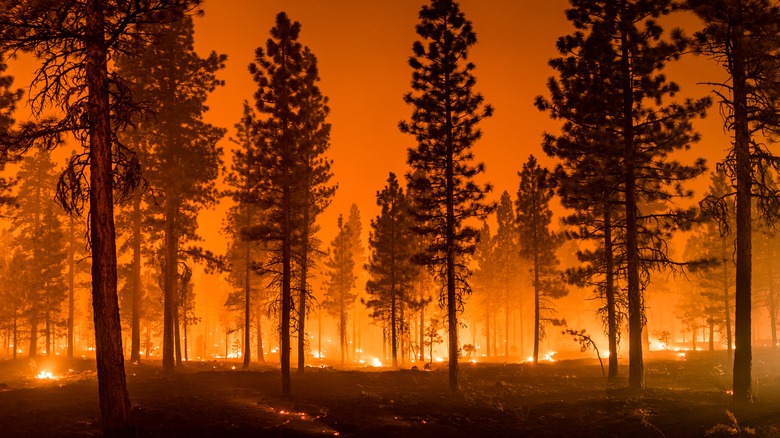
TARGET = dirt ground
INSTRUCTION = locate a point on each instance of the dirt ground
(686, 397)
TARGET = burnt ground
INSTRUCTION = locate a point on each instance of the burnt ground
(685, 398)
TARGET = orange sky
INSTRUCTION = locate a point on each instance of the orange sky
(363, 47)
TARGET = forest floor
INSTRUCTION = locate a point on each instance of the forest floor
(687, 396)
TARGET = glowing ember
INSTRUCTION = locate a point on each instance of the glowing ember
(376, 362)
(549, 357)
(44, 375)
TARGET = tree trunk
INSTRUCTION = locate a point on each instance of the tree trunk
(16, 335)
(47, 320)
(135, 343)
(71, 284)
(743, 349)
(171, 274)
(148, 340)
(393, 352)
(422, 328)
(177, 335)
(284, 348)
(304, 264)
(114, 400)
(259, 327)
(247, 353)
(636, 375)
(487, 330)
(726, 301)
(506, 324)
(612, 326)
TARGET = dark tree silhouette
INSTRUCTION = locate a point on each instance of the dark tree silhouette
(612, 73)
(444, 123)
(183, 158)
(390, 269)
(341, 280)
(742, 36)
(538, 244)
(73, 75)
(292, 184)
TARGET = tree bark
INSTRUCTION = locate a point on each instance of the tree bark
(304, 265)
(169, 300)
(636, 375)
(247, 354)
(612, 326)
(135, 343)
(726, 301)
(71, 284)
(742, 333)
(114, 400)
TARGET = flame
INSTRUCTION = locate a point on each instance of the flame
(45, 375)
(376, 362)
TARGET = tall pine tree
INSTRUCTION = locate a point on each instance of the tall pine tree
(539, 244)
(614, 95)
(444, 124)
(390, 269)
(181, 148)
(743, 37)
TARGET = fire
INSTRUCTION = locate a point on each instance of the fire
(376, 362)
(45, 375)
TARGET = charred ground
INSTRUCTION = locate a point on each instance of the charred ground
(685, 397)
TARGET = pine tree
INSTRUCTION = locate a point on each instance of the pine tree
(278, 71)
(390, 269)
(444, 124)
(355, 228)
(182, 150)
(506, 249)
(341, 280)
(743, 37)
(39, 235)
(613, 92)
(73, 76)
(539, 244)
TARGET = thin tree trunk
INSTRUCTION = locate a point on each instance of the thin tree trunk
(304, 264)
(247, 354)
(259, 326)
(393, 352)
(177, 340)
(114, 400)
(16, 335)
(612, 326)
(743, 349)
(71, 284)
(726, 301)
(171, 274)
(506, 323)
(135, 343)
(284, 348)
(636, 375)
(487, 330)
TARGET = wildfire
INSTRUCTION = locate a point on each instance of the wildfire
(376, 362)
(45, 375)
